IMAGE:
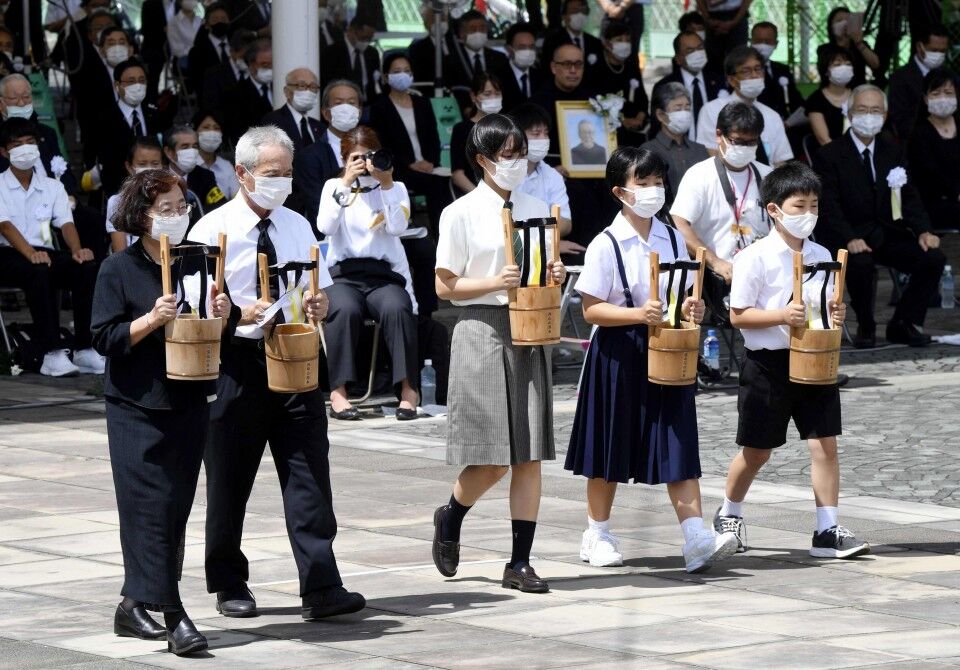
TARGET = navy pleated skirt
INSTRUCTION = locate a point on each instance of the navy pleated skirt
(627, 428)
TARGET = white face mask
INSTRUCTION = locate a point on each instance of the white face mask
(187, 159)
(265, 75)
(577, 21)
(270, 192)
(524, 58)
(134, 94)
(751, 88)
(765, 50)
(304, 101)
(867, 125)
(703, 35)
(476, 41)
(491, 105)
(696, 61)
(117, 54)
(344, 117)
(647, 200)
(25, 156)
(738, 156)
(509, 174)
(400, 81)
(174, 227)
(933, 59)
(210, 140)
(537, 149)
(361, 45)
(841, 75)
(680, 121)
(799, 225)
(620, 50)
(942, 107)
(24, 112)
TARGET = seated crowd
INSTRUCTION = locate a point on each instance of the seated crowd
(723, 116)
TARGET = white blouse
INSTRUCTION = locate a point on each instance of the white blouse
(350, 231)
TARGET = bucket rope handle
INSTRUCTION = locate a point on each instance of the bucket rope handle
(839, 267)
(298, 267)
(168, 253)
(684, 266)
(512, 235)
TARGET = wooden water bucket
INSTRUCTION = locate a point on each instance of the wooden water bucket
(815, 354)
(672, 351)
(534, 310)
(192, 344)
(293, 349)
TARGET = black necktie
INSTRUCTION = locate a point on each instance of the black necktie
(305, 131)
(524, 85)
(477, 63)
(265, 93)
(357, 72)
(576, 42)
(868, 165)
(265, 246)
(136, 125)
(697, 100)
(224, 56)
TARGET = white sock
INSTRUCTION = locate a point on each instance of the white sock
(691, 527)
(598, 527)
(731, 508)
(827, 518)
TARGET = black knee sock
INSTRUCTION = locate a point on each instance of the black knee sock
(522, 542)
(451, 520)
(172, 619)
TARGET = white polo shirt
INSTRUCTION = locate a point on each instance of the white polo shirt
(546, 184)
(470, 243)
(700, 200)
(291, 236)
(33, 210)
(774, 136)
(600, 277)
(763, 278)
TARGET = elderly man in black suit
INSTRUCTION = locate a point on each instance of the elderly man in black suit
(588, 152)
(354, 59)
(906, 83)
(154, 15)
(689, 69)
(870, 208)
(780, 91)
(302, 94)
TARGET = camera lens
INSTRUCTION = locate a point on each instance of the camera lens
(382, 159)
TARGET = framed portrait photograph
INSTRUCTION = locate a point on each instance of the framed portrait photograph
(586, 140)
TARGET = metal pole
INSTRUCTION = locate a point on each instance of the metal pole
(439, 12)
(804, 11)
(296, 43)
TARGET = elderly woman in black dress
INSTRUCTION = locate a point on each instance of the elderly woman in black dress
(156, 427)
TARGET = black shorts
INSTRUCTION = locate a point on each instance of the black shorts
(768, 400)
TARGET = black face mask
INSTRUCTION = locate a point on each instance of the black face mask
(220, 29)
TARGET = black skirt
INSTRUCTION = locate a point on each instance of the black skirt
(627, 428)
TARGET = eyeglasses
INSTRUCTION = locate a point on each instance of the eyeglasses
(313, 88)
(131, 82)
(185, 209)
(747, 71)
(743, 143)
(569, 64)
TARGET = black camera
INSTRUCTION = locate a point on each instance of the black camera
(382, 159)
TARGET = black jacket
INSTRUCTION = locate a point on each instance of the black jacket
(203, 183)
(153, 25)
(202, 57)
(386, 120)
(219, 83)
(246, 106)
(510, 87)
(246, 14)
(283, 119)
(851, 207)
(312, 167)
(935, 170)
(592, 46)
(422, 55)
(112, 140)
(335, 32)
(772, 95)
(905, 98)
(335, 64)
(461, 67)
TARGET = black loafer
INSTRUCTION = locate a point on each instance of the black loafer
(866, 338)
(350, 414)
(137, 623)
(446, 554)
(237, 603)
(185, 638)
(904, 332)
(404, 414)
(331, 602)
(525, 579)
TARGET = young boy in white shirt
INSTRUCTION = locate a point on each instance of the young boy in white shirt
(762, 305)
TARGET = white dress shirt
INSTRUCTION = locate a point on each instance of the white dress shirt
(215, 41)
(600, 277)
(57, 10)
(774, 136)
(33, 210)
(546, 184)
(470, 243)
(226, 175)
(517, 74)
(127, 111)
(291, 236)
(353, 52)
(334, 143)
(700, 200)
(348, 228)
(861, 147)
(296, 121)
(763, 278)
(181, 32)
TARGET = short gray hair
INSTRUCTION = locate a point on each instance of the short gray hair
(170, 137)
(16, 76)
(863, 88)
(325, 98)
(664, 94)
(247, 153)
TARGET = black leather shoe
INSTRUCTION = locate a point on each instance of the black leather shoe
(866, 338)
(185, 638)
(238, 603)
(446, 554)
(904, 332)
(331, 601)
(525, 579)
(404, 414)
(842, 379)
(137, 623)
(350, 414)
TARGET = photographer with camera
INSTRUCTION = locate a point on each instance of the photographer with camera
(362, 213)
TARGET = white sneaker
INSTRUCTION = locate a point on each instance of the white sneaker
(601, 550)
(708, 548)
(58, 364)
(89, 361)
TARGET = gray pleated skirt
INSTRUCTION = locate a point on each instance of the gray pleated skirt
(500, 398)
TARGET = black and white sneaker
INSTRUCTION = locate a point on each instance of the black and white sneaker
(837, 542)
(731, 524)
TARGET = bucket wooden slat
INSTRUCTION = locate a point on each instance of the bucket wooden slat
(815, 354)
(672, 355)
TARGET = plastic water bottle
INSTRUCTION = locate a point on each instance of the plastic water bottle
(711, 350)
(428, 384)
(946, 288)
